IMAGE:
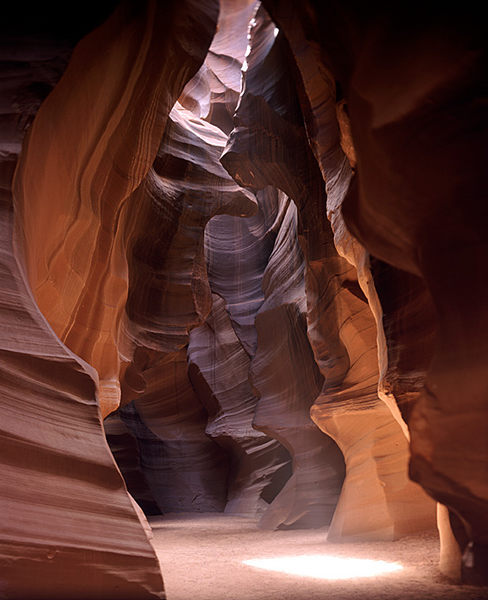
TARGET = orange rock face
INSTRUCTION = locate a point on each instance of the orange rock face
(68, 520)
(69, 529)
(96, 152)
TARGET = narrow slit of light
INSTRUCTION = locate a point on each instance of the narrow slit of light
(321, 566)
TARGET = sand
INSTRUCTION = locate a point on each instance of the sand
(202, 559)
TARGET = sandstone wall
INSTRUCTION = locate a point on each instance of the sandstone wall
(259, 256)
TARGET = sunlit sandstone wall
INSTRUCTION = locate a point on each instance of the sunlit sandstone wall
(136, 233)
(169, 293)
(289, 387)
(98, 134)
(170, 296)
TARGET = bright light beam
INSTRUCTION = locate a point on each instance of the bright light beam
(321, 566)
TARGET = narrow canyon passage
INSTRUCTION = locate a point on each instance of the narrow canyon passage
(206, 557)
(243, 301)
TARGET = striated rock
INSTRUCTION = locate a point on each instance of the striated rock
(255, 159)
(238, 251)
(67, 519)
(219, 371)
(413, 83)
(214, 91)
(326, 120)
(220, 354)
(65, 501)
(68, 523)
(273, 327)
(169, 294)
(287, 390)
(340, 324)
(96, 150)
(168, 289)
(221, 351)
(442, 243)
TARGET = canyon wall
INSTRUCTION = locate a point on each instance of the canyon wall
(269, 145)
(408, 89)
(244, 244)
(68, 520)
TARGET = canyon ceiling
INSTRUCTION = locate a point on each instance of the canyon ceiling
(243, 255)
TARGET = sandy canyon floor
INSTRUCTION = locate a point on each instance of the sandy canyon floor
(218, 557)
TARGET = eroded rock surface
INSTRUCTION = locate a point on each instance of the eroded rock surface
(68, 523)
(96, 149)
(221, 353)
(413, 84)
(340, 324)
(186, 471)
(127, 452)
(170, 295)
(287, 391)
(268, 323)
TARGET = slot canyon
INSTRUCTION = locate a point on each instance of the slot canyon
(243, 301)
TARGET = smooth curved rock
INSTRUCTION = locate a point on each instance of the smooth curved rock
(221, 332)
(185, 469)
(238, 251)
(288, 389)
(255, 158)
(80, 534)
(214, 91)
(340, 324)
(219, 371)
(68, 523)
(95, 152)
(169, 294)
(220, 354)
(418, 143)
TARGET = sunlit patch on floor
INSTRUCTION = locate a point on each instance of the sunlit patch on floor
(322, 566)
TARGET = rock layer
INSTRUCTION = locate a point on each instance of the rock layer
(224, 311)
(287, 391)
(413, 84)
(68, 523)
(341, 326)
(221, 353)
(219, 371)
(185, 469)
(77, 268)
(169, 294)
(128, 454)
